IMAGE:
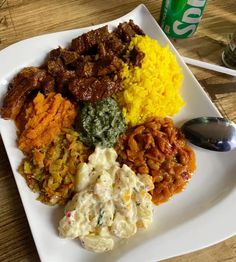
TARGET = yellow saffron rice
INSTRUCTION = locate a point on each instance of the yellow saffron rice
(153, 89)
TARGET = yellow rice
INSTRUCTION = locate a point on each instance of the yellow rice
(153, 89)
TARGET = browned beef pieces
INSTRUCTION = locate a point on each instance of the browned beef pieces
(126, 31)
(60, 74)
(54, 54)
(108, 64)
(102, 49)
(62, 80)
(86, 70)
(136, 57)
(48, 84)
(59, 59)
(28, 79)
(103, 66)
(57, 65)
(85, 42)
(136, 28)
(113, 46)
(93, 88)
(67, 56)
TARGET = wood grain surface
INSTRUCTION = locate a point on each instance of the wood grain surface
(20, 19)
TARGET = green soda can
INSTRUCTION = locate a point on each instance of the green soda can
(180, 18)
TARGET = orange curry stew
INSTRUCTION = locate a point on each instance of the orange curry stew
(159, 149)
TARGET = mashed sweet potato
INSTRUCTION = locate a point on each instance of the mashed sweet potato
(44, 118)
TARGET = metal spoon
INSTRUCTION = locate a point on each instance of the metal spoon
(213, 133)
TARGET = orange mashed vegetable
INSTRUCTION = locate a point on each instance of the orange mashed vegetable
(44, 118)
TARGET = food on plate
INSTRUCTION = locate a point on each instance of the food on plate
(101, 123)
(127, 30)
(88, 70)
(26, 81)
(159, 149)
(153, 88)
(44, 118)
(124, 32)
(91, 123)
(112, 203)
(50, 170)
(98, 75)
(94, 88)
(89, 40)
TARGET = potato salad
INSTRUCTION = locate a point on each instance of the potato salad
(111, 203)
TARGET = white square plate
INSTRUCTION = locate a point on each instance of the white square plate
(205, 213)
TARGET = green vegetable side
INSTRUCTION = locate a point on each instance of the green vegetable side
(101, 123)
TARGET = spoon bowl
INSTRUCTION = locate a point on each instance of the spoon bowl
(212, 133)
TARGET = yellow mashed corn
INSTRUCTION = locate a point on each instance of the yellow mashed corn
(153, 89)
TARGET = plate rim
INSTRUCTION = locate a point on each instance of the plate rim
(137, 9)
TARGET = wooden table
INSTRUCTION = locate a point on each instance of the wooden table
(20, 19)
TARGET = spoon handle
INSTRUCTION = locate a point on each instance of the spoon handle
(209, 66)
